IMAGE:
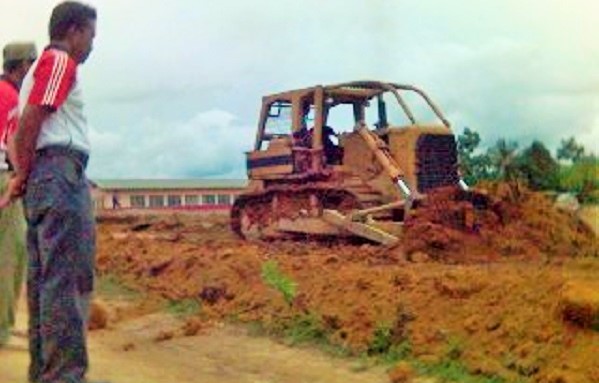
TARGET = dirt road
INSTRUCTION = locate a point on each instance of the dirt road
(129, 353)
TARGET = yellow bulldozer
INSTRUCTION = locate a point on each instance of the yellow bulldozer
(349, 159)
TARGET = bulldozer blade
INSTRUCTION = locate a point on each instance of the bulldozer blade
(308, 225)
(363, 230)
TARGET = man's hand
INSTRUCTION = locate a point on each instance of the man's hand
(15, 189)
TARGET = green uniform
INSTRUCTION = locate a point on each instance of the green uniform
(12, 260)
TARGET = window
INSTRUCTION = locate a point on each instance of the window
(138, 201)
(156, 201)
(191, 200)
(279, 119)
(208, 199)
(224, 199)
(174, 200)
(341, 118)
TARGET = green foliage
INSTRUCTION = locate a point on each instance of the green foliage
(581, 177)
(503, 157)
(534, 165)
(570, 150)
(497, 163)
(451, 370)
(381, 341)
(111, 286)
(474, 167)
(306, 328)
(274, 277)
(538, 167)
(454, 349)
(398, 352)
(300, 329)
(468, 141)
(184, 308)
(383, 345)
(455, 372)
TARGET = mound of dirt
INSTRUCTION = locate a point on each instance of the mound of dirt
(579, 304)
(515, 222)
(98, 316)
(481, 297)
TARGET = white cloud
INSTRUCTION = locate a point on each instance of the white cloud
(510, 68)
(210, 144)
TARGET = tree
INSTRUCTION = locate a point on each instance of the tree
(474, 167)
(538, 167)
(468, 141)
(503, 160)
(570, 150)
(581, 177)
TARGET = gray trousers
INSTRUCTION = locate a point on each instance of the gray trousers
(61, 246)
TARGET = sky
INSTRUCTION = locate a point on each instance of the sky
(173, 88)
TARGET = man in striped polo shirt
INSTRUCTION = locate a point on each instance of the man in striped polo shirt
(52, 150)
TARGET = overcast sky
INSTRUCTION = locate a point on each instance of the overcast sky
(173, 88)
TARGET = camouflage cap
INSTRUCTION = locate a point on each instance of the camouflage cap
(19, 51)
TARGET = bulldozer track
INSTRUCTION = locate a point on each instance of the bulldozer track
(254, 216)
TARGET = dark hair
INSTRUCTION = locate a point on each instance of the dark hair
(69, 14)
(12, 65)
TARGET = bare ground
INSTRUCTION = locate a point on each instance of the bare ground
(130, 352)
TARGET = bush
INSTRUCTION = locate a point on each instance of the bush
(582, 178)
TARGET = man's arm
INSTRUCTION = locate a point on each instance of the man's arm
(21, 150)
(25, 139)
(10, 147)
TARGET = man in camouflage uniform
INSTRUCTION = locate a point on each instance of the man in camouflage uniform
(17, 59)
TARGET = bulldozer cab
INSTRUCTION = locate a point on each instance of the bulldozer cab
(308, 132)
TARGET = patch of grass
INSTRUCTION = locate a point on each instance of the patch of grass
(453, 371)
(109, 285)
(301, 329)
(306, 328)
(274, 277)
(184, 308)
(384, 346)
(397, 352)
(363, 363)
(381, 340)
(256, 328)
(454, 349)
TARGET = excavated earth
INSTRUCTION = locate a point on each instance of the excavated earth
(516, 296)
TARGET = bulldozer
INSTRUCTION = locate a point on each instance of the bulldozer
(345, 160)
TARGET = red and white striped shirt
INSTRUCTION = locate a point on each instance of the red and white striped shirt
(9, 116)
(52, 82)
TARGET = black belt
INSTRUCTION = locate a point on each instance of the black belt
(51, 151)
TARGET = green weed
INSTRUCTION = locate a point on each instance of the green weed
(274, 277)
(184, 308)
(111, 286)
(381, 341)
(388, 346)
(454, 349)
(306, 328)
(452, 371)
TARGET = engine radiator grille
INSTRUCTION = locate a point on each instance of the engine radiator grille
(436, 161)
